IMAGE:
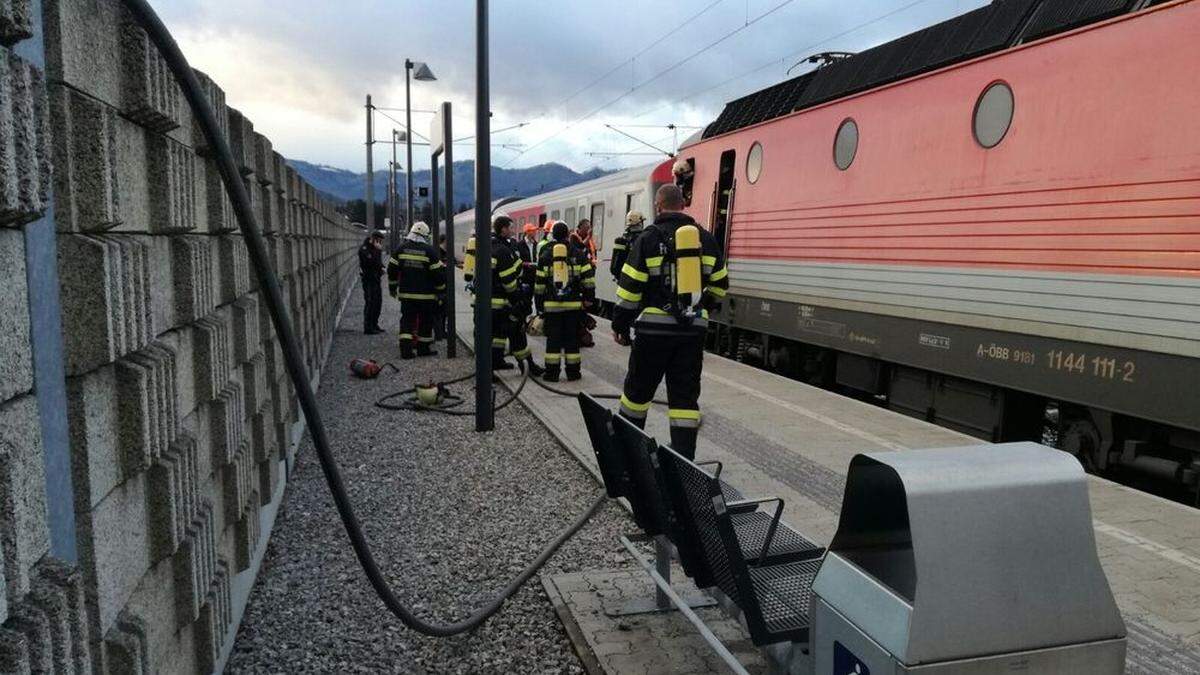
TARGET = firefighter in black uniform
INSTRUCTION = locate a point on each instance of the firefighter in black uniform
(566, 280)
(511, 300)
(370, 267)
(664, 294)
(635, 222)
(417, 278)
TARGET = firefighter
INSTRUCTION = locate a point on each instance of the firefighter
(635, 222)
(674, 275)
(417, 278)
(566, 280)
(510, 301)
(370, 266)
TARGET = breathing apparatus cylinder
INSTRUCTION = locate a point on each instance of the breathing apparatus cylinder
(469, 257)
(687, 267)
(561, 274)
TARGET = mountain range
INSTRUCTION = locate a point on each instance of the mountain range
(341, 185)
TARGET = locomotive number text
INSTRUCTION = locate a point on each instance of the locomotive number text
(1103, 367)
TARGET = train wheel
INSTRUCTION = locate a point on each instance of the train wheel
(1079, 436)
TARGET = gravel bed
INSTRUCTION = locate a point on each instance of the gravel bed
(451, 516)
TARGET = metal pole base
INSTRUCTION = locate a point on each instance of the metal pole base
(661, 602)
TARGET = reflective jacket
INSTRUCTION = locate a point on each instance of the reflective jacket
(416, 272)
(621, 248)
(646, 296)
(581, 285)
(506, 273)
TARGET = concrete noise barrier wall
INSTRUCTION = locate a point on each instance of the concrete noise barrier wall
(179, 421)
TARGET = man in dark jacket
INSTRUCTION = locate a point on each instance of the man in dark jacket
(417, 278)
(670, 326)
(566, 280)
(510, 301)
(370, 267)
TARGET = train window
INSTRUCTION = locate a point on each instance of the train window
(845, 144)
(571, 216)
(554, 215)
(754, 162)
(994, 114)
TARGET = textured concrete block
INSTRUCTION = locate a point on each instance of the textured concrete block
(149, 93)
(212, 356)
(226, 424)
(147, 406)
(254, 385)
(262, 437)
(195, 564)
(51, 602)
(24, 537)
(268, 477)
(62, 581)
(34, 625)
(264, 160)
(126, 647)
(16, 21)
(215, 617)
(216, 100)
(235, 268)
(241, 141)
(86, 181)
(218, 208)
(14, 652)
(132, 257)
(246, 534)
(237, 483)
(114, 551)
(173, 180)
(194, 276)
(172, 497)
(24, 126)
(16, 366)
(247, 341)
(92, 418)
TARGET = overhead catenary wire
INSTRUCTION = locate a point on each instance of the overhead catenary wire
(293, 358)
(783, 59)
(654, 78)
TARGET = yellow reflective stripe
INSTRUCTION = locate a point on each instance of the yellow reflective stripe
(543, 272)
(511, 270)
(683, 414)
(499, 302)
(499, 342)
(636, 407)
(709, 260)
(656, 261)
(574, 358)
(553, 358)
(539, 288)
(416, 296)
(619, 247)
(564, 304)
(624, 294)
(719, 274)
(634, 273)
(437, 265)
(411, 256)
(715, 290)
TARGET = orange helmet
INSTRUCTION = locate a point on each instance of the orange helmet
(549, 225)
(529, 228)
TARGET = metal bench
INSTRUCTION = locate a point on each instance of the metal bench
(774, 599)
(763, 539)
(613, 460)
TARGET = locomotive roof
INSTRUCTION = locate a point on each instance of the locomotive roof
(998, 26)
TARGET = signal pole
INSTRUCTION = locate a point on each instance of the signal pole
(484, 396)
(370, 171)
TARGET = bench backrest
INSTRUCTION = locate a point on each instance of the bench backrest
(711, 526)
(649, 504)
(598, 420)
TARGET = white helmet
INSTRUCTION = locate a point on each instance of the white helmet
(634, 218)
(682, 168)
(419, 229)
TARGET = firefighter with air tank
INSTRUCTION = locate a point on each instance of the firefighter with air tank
(635, 222)
(510, 298)
(674, 274)
(566, 284)
(417, 278)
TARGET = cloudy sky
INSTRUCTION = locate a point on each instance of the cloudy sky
(300, 69)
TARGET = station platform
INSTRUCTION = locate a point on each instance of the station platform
(780, 437)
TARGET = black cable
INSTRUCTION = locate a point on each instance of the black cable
(292, 358)
(412, 404)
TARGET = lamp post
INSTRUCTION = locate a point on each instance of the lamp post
(420, 71)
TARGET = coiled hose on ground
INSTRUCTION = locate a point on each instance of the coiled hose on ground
(259, 261)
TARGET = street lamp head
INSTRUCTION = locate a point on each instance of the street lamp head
(399, 135)
(421, 71)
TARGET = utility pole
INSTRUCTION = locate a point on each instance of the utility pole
(394, 194)
(451, 330)
(370, 172)
(484, 396)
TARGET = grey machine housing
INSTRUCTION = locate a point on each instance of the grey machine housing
(977, 559)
